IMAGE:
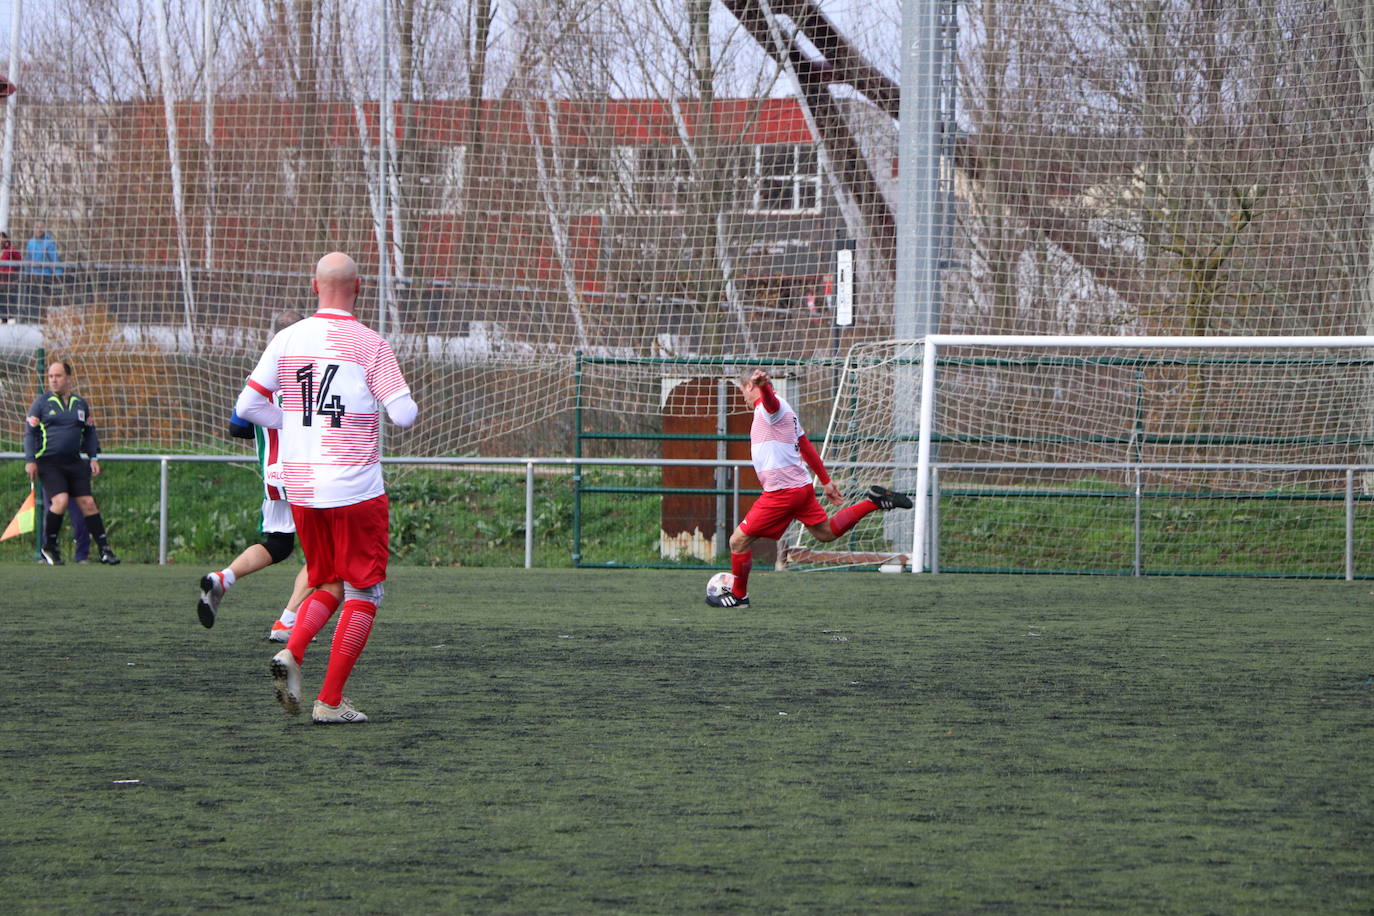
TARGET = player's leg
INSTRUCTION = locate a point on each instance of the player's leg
(273, 548)
(80, 490)
(350, 637)
(81, 535)
(767, 518)
(54, 480)
(361, 536)
(215, 583)
(318, 606)
(741, 564)
(312, 527)
(276, 518)
(315, 528)
(877, 498)
(281, 627)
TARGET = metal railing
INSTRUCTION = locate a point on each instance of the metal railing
(528, 464)
(1134, 491)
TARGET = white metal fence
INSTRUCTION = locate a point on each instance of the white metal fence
(1136, 472)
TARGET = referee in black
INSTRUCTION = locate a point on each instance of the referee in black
(59, 430)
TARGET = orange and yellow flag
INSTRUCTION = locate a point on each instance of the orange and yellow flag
(22, 523)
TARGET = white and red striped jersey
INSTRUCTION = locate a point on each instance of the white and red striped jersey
(773, 444)
(334, 374)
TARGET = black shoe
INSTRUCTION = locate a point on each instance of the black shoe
(107, 556)
(50, 555)
(727, 599)
(887, 499)
(211, 591)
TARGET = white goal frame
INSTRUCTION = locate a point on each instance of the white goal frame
(931, 345)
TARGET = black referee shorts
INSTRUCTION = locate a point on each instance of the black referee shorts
(70, 474)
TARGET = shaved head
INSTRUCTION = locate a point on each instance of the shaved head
(336, 281)
(336, 269)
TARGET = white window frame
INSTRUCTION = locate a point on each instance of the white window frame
(797, 183)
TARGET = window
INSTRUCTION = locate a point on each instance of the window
(785, 177)
(662, 176)
(593, 179)
(773, 178)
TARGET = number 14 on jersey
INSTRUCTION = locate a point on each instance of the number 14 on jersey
(324, 404)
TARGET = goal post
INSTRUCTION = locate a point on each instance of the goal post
(1210, 424)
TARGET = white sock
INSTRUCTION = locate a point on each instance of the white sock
(228, 577)
(288, 618)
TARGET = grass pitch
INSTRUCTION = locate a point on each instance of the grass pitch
(585, 741)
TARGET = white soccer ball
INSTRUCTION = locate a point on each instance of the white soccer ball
(719, 584)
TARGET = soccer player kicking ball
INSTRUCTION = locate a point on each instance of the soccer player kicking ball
(782, 454)
(334, 376)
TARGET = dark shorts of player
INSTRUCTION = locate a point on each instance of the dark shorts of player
(774, 510)
(70, 474)
(345, 543)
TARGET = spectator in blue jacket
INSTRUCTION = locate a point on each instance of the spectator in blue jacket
(41, 250)
(42, 269)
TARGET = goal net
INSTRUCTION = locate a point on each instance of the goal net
(1063, 454)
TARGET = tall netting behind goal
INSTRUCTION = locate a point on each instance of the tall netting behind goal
(520, 184)
(1193, 455)
(635, 180)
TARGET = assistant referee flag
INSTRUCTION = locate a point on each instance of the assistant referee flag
(22, 523)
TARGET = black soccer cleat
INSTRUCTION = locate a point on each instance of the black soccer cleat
(888, 499)
(211, 591)
(727, 599)
(107, 556)
(50, 555)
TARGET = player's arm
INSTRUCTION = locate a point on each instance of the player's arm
(239, 428)
(764, 384)
(32, 424)
(402, 410)
(90, 442)
(389, 387)
(813, 461)
(258, 406)
(257, 402)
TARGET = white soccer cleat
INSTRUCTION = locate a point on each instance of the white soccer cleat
(286, 677)
(280, 632)
(343, 714)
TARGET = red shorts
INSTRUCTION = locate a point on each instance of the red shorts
(345, 543)
(775, 509)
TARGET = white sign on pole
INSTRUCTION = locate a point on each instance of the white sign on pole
(844, 284)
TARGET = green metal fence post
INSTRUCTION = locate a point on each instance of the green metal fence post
(577, 468)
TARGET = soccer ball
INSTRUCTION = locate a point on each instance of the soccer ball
(719, 584)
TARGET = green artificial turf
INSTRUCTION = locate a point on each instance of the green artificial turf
(592, 741)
